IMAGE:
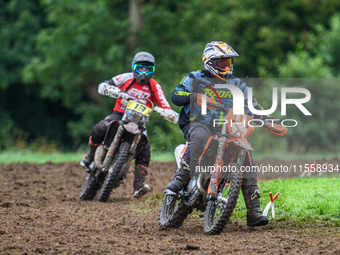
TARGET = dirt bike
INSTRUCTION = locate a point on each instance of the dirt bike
(120, 145)
(215, 191)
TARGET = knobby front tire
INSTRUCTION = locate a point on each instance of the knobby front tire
(217, 214)
(113, 176)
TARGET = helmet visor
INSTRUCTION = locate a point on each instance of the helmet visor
(143, 69)
(223, 63)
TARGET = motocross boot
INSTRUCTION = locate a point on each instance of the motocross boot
(140, 188)
(182, 178)
(251, 198)
(86, 161)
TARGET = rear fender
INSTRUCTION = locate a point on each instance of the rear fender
(179, 151)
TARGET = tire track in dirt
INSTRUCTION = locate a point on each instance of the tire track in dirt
(40, 213)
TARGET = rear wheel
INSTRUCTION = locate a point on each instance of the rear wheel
(113, 177)
(173, 212)
(89, 188)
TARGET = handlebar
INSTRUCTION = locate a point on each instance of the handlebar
(172, 117)
(263, 124)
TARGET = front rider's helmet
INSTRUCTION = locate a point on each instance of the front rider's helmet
(143, 67)
(218, 59)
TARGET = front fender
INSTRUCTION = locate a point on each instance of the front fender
(132, 128)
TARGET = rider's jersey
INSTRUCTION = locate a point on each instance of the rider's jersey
(201, 82)
(151, 91)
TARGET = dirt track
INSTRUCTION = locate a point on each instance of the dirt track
(40, 213)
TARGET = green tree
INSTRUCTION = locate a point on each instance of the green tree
(320, 60)
(67, 47)
(20, 21)
(81, 45)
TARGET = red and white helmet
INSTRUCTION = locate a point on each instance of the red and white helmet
(218, 59)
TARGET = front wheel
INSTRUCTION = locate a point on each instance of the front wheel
(217, 214)
(113, 177)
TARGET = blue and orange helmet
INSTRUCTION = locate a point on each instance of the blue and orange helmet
(218, 59)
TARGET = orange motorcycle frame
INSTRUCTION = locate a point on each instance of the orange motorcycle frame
(235, 130)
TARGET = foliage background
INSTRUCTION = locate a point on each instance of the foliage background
(53, 54)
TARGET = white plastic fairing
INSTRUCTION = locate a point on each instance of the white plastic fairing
(178, 154)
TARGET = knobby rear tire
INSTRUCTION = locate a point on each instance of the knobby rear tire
(172, 215)
(113, 176)
(89, 188)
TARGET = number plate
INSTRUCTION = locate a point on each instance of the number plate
(138, 107)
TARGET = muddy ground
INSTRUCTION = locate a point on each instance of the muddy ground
(40, 213)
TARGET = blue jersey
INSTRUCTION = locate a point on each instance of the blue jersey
(201, 82)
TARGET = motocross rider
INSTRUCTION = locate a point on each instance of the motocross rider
(218, 63)
(140, 84)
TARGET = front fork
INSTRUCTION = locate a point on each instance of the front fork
(113, 148)
(216, 174)
(218, 167)
(132, 151)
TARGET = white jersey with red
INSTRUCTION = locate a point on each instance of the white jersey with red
(135, 89)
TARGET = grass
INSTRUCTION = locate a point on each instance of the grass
(162, 156)
(293, 156)
(302, 201)
(306, 203)
(40, 157)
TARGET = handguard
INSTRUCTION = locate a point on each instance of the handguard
(109, 90)
(275, 128)
(170, 115)
(167, 114)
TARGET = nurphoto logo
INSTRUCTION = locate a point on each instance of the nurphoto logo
(238, 104)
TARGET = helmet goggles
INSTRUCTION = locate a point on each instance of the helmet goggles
(223, 64)
(143, 69)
